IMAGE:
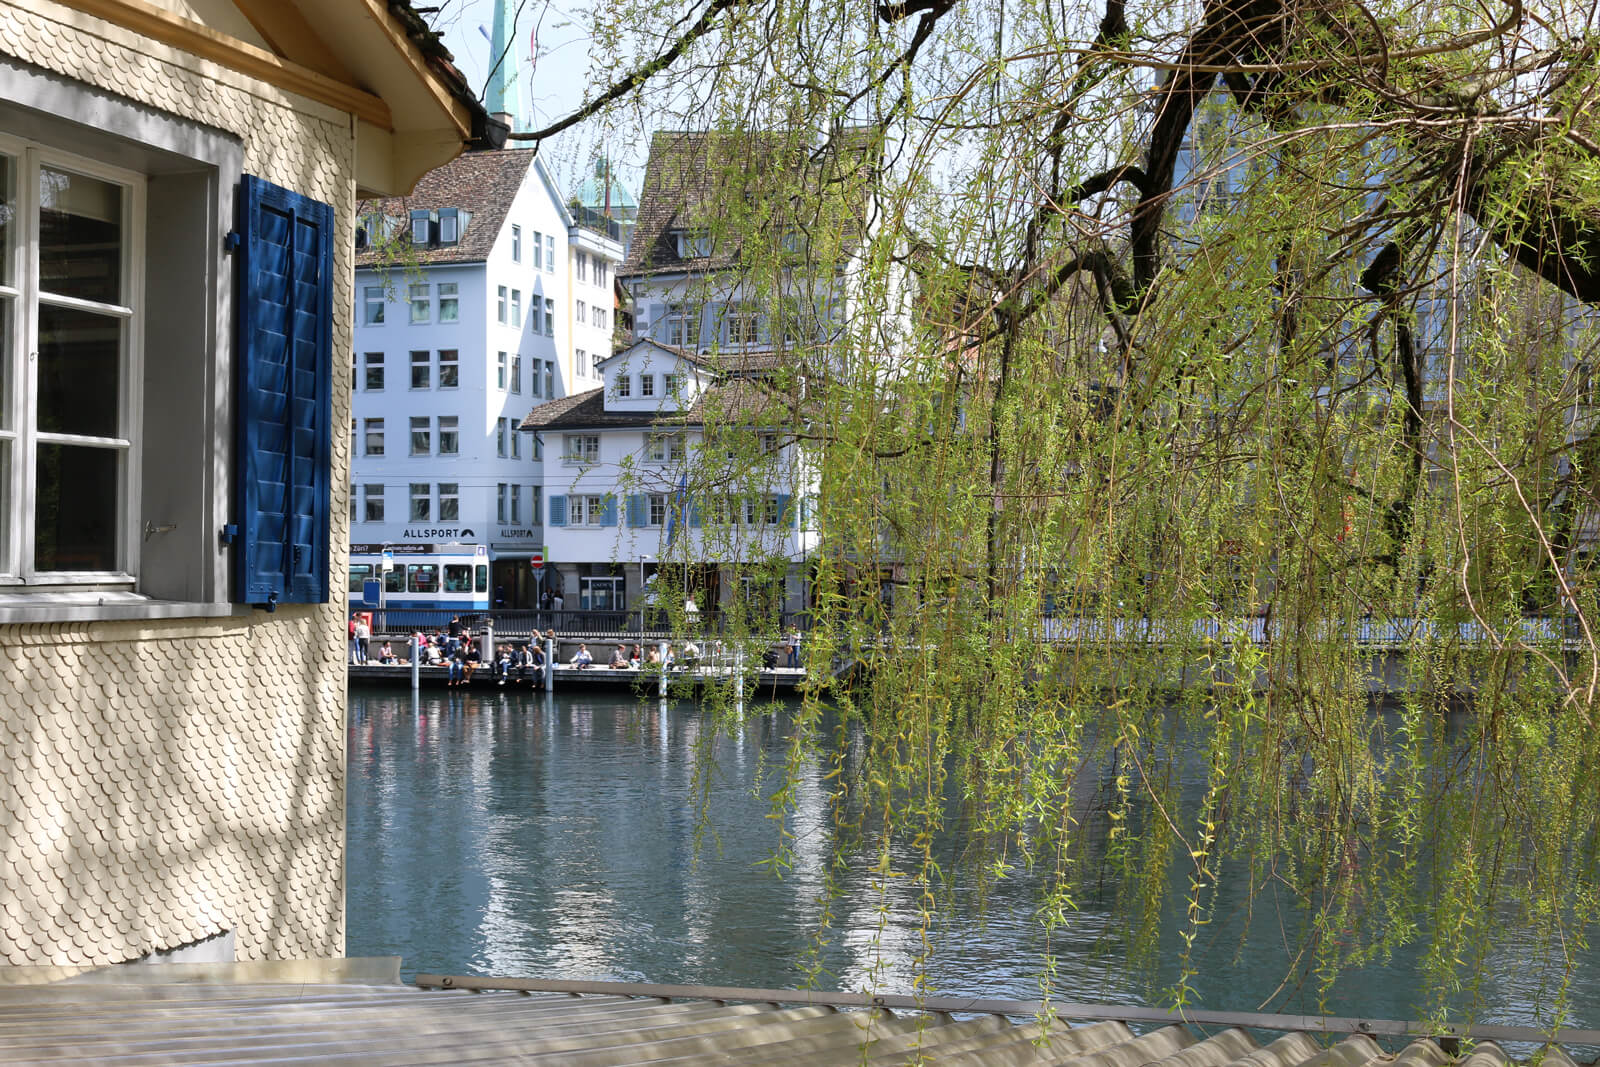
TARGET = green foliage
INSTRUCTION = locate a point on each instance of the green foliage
(1084, 512)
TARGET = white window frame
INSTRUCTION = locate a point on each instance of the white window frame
(500, 368)
(549, 253)
(449, 297)
(550, 316)
(449, 501)
(516, 372)
(502, 492)
(516, 504)
(425, 364)
(647, 385)
(624, 386)
(580, 449)
(372, 430)
(373, 302)
(421, 427)
(16, 543)
(449, 358)
(516, 309)
(583, 266)
(424, 513)
(372, 499)
(502, 293)
(516, 243)
(664, 448)
(449, 425)
(656, 509)
(421, 301)
(374, 362)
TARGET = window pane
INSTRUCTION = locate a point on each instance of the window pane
(422, 577)
(8, 200)
(449, 435)
(374, 370)
(458, 577)
(80, 236)
(449, 501)
(482, 576)
(75, 516)
(449, 302)
(6, 374)
(79, 371)
(421, 370)
(448, 367)
(359, 573)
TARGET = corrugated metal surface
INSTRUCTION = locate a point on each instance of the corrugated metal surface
(231, 1015)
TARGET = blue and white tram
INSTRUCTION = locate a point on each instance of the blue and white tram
(425, 584)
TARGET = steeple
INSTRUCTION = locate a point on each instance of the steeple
(503, 94)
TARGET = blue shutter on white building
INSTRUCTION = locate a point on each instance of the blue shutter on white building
(608, 512)
(638, 510)
(558, 511)
(284, 351)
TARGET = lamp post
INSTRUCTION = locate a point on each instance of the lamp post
(642, 560)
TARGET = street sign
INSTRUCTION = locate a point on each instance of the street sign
(371, 590)
(537, 559)
(388, 560)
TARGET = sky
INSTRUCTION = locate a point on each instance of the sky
(550, 89)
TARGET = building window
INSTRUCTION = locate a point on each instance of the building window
(549, 253)
(374, 377)
(421, 370)
(372, 302)
(624, 385)
(664, 448)
(538, 447)
(516, 308)
(374, 437)
(500, 305)
(589, 510)
(550, 316)
(658, 509)
(599, 271)
(581, 448)
(744, 325)
(500, 497)
(449, 435)
(516, 504)
(693, 244)
(449, 225)
(500, 370)
(449, 368)
(502, 429)
(421, 304)
(516, 243)
(534, 317)
(533, 380)
(683, 326)
(583, 311)
(516, 372)
(449, 302)
(647, 385)
(549, 379)
(767, 442)
(516, 439)
(579, 359)
(583, 266)
(449, 501)
(372, 500)
(421, 502)
(535, 500)
(421, 436)
(600, 317)
(669, 384)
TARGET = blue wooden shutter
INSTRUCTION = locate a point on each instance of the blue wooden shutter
(284, 351)
(558, 511)
(608, 513)
(638, 510)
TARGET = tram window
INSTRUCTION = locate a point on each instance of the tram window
(422, 577)
(458, 577)
(483, 578)
(359, 573)
(394, 581)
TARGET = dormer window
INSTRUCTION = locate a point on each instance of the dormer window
(693, 244)
(421, 227)
(624, 385)
(449, 226)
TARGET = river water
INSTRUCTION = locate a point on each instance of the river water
(515, 835)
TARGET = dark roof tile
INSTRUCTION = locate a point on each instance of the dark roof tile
(483, 183)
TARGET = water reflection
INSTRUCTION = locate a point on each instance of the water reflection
(516, 834)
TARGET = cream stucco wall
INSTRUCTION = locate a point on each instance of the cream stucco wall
(164, 781)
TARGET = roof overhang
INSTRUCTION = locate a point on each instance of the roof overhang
(411, 107)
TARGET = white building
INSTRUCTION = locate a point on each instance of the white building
(727, 337)
(508, 302)
(630, 479)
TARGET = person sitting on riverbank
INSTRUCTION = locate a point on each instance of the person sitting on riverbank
(652, 657)
(636, 656)
(669, 659)
(386, 655)
(473, 659)
(581, 659)
(502, 663)
(536, 663)
(691, 654)
(619, 659)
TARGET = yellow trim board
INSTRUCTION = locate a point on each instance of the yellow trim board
(161, 25)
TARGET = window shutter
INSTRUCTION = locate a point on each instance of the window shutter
(694, 513)
(608, 513)
(558, 511)
(638, 515)
(284, 352)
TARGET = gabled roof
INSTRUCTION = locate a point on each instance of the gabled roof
(741, 401)
(692, 178)
(483, 183)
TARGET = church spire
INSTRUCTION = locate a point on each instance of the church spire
(503, 95)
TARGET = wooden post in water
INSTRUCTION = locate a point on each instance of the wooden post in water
(416, 664)
(486, 656)
(549, 664)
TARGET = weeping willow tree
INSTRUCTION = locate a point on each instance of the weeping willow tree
(1195, 366)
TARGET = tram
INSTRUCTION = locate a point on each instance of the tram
(423, 585)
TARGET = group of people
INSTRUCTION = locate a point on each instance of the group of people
(623, 659)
